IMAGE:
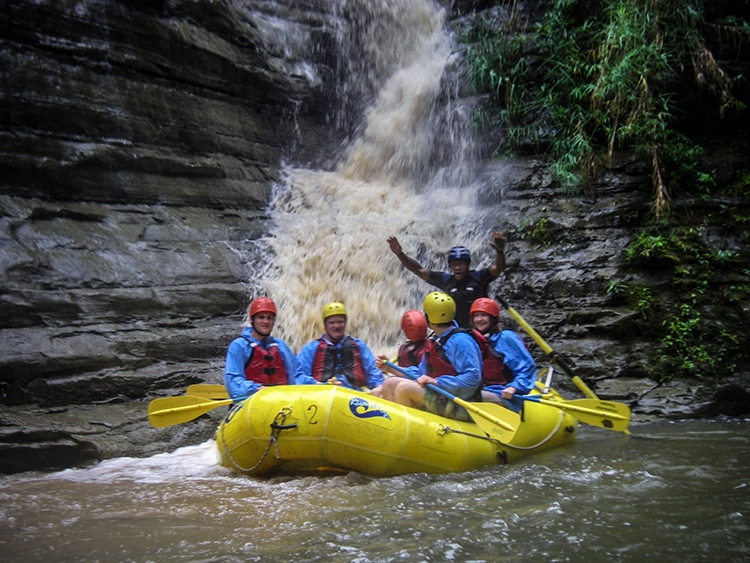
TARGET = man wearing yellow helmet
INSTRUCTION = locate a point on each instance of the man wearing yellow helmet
(452, 360)
(256, 359)
(461, 283)
(338, 358)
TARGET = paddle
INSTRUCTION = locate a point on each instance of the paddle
(552, 354)
(169, 411)
(498, 422)
(207, 391)
(605, 414)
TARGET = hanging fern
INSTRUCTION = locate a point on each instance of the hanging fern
(592, 77)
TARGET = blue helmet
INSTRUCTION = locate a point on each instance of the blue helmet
(459, 253)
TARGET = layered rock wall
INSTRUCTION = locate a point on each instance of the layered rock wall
(139, 142)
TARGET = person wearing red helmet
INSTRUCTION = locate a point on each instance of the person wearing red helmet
(509, 368)
(452, 361)
(414, 327)
(256, 359)
(461, 283)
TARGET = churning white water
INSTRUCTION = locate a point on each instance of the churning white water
(672, 493)
(408, 172)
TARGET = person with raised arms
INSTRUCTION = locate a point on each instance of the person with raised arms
(452, 361)
(461, 283)
(338, 358)
(256, 359)
(508, 369)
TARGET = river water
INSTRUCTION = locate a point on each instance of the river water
(676, 492)
(669, 493)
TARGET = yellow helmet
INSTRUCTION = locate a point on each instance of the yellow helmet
(333, 309)
(439, 307)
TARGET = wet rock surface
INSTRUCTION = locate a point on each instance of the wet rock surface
(139, 142)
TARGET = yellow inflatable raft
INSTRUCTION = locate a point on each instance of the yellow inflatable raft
(302, 429)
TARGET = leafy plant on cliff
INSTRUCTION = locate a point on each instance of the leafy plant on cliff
(693, 342)
(593, 76)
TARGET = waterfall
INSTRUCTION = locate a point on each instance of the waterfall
(407, 171)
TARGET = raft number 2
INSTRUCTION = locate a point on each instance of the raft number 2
(314, 410)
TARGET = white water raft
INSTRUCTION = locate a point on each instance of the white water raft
(299, 429)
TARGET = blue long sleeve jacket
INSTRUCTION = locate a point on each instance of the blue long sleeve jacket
(466, 358)
(518, 359)
(238, 354)
(307, 356)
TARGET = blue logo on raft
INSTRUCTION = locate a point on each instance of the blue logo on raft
(362, 409)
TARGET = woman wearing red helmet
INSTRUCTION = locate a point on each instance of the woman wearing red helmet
(256, 359)
(509, 368)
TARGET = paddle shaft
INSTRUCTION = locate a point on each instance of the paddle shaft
(169, 411)
(207, 391)
(547, 349)
(551, 354)
(465, 404)
(605, 414)
(569, 405)
(213, 404)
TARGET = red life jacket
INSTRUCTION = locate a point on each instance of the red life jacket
(435, 358)
(265, 365)
(346, 358)
(494, 370)
(410, 354)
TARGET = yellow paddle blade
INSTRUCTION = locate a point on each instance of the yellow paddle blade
(169, 411)
(207, 391)
(497, 421)
(605, 414)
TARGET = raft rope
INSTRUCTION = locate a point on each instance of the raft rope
(276, 426)
(443, 429)
(543, 440)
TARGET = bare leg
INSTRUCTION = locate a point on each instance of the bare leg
(488, 397)
(389, 388)
(409, 393)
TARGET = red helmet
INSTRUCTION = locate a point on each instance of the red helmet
(261, 305)
(485, 305)
(414, 325)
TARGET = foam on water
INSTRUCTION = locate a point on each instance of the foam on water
(184, 463)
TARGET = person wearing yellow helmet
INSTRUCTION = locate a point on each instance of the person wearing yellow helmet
(338, 358)
(461, 283)
(256, 359)
(452, 360)
(509, 368)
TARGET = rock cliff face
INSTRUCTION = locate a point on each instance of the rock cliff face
(138, 147)
(140, 141)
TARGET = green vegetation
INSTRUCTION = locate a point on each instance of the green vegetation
(541, 232)
(592, 77)
(693, 342)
